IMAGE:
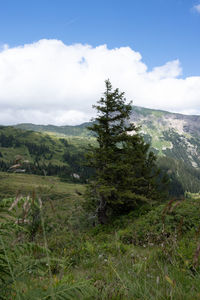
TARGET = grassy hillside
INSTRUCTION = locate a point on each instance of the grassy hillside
(12, 184)
(57, 253)
(79, 130)
(43, 154)
(172, 135)
(59, 150)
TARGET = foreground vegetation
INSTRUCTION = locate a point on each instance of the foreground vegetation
(50, 248)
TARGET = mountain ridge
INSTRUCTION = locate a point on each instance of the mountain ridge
(170, 134)
(59, 150)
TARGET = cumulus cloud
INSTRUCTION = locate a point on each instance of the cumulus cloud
(197, 8)
(48, 82)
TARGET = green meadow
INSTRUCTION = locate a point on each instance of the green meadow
(50, 248)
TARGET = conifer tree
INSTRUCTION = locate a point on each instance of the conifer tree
(126, 173)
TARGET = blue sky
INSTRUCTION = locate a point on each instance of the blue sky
(160, 30)
(56, 54)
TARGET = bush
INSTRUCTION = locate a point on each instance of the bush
(173, 219)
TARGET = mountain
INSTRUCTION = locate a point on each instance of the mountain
(57, 150)
(78, 130)
(172, 135)
(175, 138)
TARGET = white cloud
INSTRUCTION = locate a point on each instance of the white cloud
(197, 8)
(50, 82)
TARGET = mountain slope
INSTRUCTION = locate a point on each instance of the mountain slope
(39, 153)
(175, 138)
(172, 135)
(78, 130)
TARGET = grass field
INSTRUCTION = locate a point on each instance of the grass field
(11, 184)
(140, 256)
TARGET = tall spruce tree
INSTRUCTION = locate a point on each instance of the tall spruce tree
(126, 173)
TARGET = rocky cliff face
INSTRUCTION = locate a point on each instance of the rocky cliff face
(170, 134)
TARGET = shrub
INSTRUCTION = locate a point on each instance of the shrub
(174, 219)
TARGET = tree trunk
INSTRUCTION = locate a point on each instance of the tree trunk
(101, 211)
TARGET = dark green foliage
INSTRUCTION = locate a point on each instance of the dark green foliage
(126, 173)
(37, 149)
(4, 166)
(176, 218)
(65, 142)
(182, 176)
(6, 141)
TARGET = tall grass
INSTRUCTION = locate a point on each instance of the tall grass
(49, 249)
(26, 267)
